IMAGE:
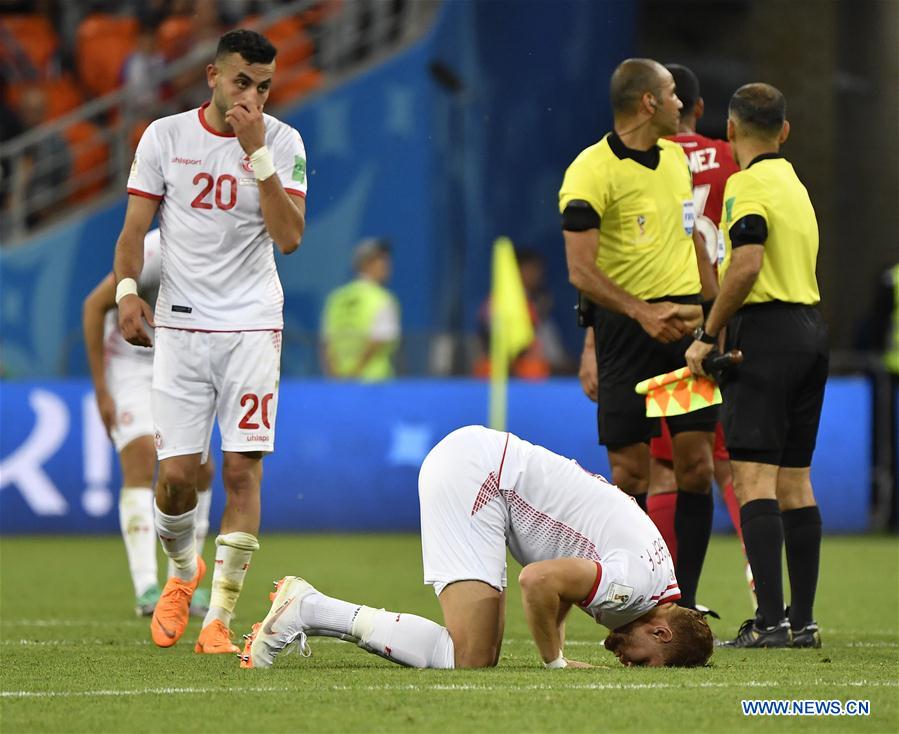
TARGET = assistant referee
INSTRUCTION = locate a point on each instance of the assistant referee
(772, 403)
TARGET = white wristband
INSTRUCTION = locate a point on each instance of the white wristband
(263, 165)
(559, 662)
(126, 287)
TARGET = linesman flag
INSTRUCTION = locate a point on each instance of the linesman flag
(678, 392)
(511, 330)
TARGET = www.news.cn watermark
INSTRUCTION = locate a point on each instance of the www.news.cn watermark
(805, 707)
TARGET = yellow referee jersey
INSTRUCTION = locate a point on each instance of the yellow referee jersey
(646, 216)
(770, 188)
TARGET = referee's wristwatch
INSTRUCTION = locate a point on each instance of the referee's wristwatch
(700, 335)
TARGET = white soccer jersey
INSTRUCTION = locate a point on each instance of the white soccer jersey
(218, 264)
(552, 508)
(114, 345)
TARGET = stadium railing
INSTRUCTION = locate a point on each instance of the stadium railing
(101, 134)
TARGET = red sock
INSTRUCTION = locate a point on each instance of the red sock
(733, 509)
(660, 508)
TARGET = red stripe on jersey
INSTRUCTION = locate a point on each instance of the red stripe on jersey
(206, 124)
(294, 192)
(589, 598)
(673, 597)
(667, 588)
(502, 461)
(145, 194)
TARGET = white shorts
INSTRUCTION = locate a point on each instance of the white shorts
(456, 545)
(129, 381)
(231, 375)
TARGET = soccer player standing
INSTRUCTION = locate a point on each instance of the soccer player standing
(772, 404)
(627, 215)
(227, 181)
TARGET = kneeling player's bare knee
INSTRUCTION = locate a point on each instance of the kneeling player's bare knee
(477, 658)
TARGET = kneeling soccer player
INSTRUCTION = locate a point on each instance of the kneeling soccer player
(581, 540)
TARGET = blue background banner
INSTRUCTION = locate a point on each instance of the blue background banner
(347, 455)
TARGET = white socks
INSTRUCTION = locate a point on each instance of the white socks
(136, 523)
(232, 559)
(406, 639)
(201, 524)
(176, 533)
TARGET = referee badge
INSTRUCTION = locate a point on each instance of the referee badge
(689, 216)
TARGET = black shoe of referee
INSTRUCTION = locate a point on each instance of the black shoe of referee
(752, 636)
(808, 636)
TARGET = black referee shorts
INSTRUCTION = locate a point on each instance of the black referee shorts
(772, 401)
(626, 355)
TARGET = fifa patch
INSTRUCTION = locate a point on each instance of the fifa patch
(729, 208)
(134, 165)
(299, 169)
(619, 593)
(689, 216)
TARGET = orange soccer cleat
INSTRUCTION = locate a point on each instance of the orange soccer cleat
(173, 608)
(215, 639)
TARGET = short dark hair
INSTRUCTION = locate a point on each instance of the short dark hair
(632, 79)
(760, 107)
(692, 641)
(686, 86)
(252, 46)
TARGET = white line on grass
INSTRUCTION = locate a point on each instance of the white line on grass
(75, 643)
(561, 686)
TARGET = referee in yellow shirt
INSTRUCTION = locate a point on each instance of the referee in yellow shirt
(772, 403)
(627, 217)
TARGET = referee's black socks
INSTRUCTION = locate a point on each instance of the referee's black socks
(692, 527)
(763, 537)
(802, 540)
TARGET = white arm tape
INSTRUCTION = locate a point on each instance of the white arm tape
(559, 662)
(263, 165)
(126, 287)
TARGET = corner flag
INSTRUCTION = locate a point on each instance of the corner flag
(511, 329)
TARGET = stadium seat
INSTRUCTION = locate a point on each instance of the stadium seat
(63, 94)
(293, 43)
(174, 35)
(35, 36)
(294, 83)
(90, 156)
(103, 42)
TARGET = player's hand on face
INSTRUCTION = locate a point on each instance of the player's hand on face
(133, 311)
(697, 352)
(106, 406)
(248, 125)
(662, 321)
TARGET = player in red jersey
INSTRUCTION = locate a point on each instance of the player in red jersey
(711, 163)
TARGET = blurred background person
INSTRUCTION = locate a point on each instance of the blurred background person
(48, 164)
(546, 355)
(360, 325)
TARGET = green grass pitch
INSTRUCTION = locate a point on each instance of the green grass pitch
(75, 659)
